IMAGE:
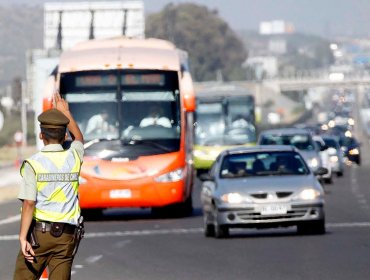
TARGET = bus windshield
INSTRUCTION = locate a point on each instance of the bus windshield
(225, 121)
(134, 107)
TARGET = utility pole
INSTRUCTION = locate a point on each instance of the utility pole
(59, 42)
(92, 25)
(24, 102)
(124, 22)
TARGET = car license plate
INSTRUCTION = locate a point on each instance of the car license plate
(274, 209)
(125, 193)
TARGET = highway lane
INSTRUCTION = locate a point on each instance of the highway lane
(130, 244)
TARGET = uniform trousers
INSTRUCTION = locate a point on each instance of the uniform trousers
(54, 253)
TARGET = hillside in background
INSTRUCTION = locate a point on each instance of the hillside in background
(21, 28)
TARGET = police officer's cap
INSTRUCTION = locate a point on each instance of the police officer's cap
(53, 118)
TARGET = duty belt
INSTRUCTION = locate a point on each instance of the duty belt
(47, 226)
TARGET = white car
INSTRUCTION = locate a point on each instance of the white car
(336, 154)
(325, 158)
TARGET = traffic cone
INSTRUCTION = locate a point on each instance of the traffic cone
(44, 275)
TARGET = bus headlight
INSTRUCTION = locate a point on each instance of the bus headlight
(199, 153)
(82, 180)
(172, 176)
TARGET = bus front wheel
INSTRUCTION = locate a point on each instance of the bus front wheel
(181, 209)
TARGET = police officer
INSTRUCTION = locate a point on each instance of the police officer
(49, 195)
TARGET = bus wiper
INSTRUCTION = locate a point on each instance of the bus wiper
(146, 141)
(97, 140)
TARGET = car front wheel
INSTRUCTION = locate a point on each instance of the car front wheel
(221, 231)
(314, 227)
(209, 229)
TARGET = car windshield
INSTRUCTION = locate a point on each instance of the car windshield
(263, 164)
(300, 141)
(331, 143)
(347, 141)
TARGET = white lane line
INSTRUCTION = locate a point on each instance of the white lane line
(176, 231)
(346, 225)
(143, 232)
(93, 259)
(8, 237)
(10, 220)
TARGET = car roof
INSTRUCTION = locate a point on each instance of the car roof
(285, 131)
(260, 148)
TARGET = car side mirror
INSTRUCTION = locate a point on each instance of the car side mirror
(321, 171)
(206, 177)
(324, 148)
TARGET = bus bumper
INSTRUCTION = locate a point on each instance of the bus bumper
(134, 193)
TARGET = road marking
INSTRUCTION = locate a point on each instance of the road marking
(346, 225)
(93, 259)
(175, 231)
(10, 220)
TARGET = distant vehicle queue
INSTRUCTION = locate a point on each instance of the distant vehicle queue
(280, 181)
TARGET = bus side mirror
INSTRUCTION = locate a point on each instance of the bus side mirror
(49, 89)
(189, 103)
(206, 177)
(187, 92)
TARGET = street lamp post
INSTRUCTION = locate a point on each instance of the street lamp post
(24, 102)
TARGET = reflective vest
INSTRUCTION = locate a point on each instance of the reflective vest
(57, 186)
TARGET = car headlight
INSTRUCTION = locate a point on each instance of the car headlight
(172, 176)
(348, 134)
(354, 151)
(314, 162)
(334, 159)
(232, 198)
(308, 194)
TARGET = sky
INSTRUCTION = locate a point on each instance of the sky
(322, 17)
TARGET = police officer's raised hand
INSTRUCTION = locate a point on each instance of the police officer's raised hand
(27, 251)
(60, 103)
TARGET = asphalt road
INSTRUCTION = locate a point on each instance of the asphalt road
(130, 244)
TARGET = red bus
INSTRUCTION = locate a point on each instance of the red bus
(134, 102)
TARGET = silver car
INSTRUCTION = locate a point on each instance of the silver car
(297, 137)
(262, 187)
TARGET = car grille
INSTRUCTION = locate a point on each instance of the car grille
(264, 195)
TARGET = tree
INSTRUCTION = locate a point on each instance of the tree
(212, 45)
